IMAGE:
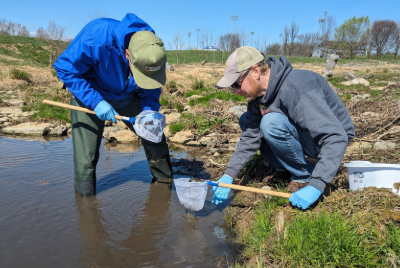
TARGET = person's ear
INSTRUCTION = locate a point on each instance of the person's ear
(127, 54)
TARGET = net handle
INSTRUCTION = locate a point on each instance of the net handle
(249, 189)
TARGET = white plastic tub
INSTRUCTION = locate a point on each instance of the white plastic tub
(364, 174)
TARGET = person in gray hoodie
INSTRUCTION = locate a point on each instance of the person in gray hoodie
(290, 114)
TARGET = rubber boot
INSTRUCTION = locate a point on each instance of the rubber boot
(159, 161)
(85, 187)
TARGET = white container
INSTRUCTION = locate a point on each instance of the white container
(363, 174)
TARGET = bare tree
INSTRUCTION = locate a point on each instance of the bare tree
(285, 40)
(306, 44)
(243, 36)
(383, 36)
(397, 40)
(235, 42)
(12, 27)
(179, 42)
(56, 34)
(23, 31)
(293, 31)
(273, 49)
(224, 41)
(41, 33)
(5, 27)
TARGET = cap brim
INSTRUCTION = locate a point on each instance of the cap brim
(228, 79)
(149, 82)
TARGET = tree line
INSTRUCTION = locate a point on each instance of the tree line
(356, 36)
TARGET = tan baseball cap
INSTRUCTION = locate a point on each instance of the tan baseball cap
(240, 60)
(148, 58)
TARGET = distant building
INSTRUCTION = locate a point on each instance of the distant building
(210, 48)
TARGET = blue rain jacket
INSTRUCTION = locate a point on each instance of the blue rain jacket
(94, 67)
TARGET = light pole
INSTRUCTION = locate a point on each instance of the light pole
(234, 18)
(189, 33)
(251, 38)
(197, 30)
(320, 33)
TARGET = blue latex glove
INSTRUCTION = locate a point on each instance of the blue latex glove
(146, 108)
(105, 111)
(221, 193)
(303, 198)
(155, 116)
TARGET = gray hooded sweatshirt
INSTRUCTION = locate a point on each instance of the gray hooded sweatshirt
(307, 99)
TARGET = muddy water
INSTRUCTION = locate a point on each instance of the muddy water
(129, 223)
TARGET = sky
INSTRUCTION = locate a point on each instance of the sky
(266, 19)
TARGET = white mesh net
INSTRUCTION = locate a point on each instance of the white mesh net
(149, 125)
(192, 195)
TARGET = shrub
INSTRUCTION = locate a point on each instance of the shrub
(20, 75)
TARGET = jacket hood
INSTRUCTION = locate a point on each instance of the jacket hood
(278, 73)
(129, 25)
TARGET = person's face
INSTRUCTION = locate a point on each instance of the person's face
(246, 85)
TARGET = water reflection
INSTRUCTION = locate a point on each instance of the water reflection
(130, 223)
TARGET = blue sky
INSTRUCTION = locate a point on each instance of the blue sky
(266, 18)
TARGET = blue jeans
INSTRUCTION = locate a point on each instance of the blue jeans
(285, 145)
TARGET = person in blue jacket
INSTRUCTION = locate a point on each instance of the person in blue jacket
(112, 67)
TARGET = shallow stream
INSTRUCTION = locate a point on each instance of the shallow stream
(129, 223)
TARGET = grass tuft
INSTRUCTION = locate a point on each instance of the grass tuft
(20, 75)
(198, 84)
(174, 128)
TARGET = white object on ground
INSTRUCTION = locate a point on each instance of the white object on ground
(363, 174)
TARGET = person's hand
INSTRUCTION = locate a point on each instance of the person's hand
(157, 116)
(221, 193)
(105, 111)
(304, 197)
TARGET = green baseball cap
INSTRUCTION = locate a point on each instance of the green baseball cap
(243, 58)
(148, 58)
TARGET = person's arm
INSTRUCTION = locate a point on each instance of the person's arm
(313, 115)
(76, 60)
(249, 141)
(149, 98)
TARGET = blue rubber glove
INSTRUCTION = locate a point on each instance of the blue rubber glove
(146, 108)
(157, 116)
(221, 193)
(105, 111)
(303, 198)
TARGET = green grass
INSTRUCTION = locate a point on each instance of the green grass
(327, 240)
(200, 122)
(176, 127)
(46, 111)
(20, 75)
(28, 49)
(196, 92)
(198, 84)
(393, 241)
(179, 107)
(164, 101)
(220, 95)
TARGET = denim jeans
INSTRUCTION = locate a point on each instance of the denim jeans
(285, 145)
